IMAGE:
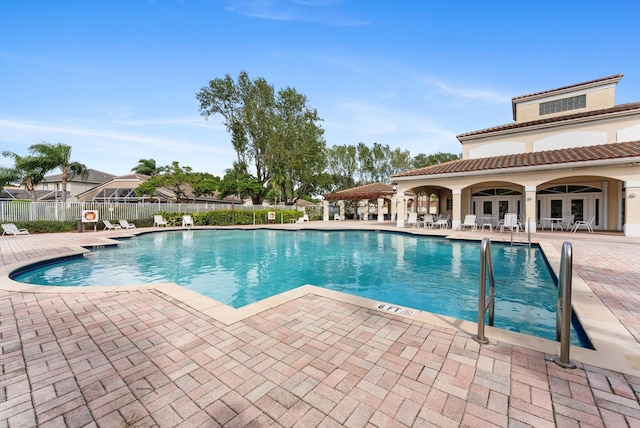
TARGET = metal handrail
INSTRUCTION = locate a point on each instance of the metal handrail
(563, 312)
(485, 302)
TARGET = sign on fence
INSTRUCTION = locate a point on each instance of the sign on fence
(89, 216)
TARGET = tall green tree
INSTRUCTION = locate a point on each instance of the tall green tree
(58, 156)
(27, 171)
(342, 167)
(276, 133)
(240, 184)
(422, 160)
(146, 167)
(181, 180)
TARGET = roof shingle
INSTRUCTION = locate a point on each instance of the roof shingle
(561, 156)
(616, 109)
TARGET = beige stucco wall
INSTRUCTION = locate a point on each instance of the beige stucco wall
(597, 98)
(570, 134)
(593, 174)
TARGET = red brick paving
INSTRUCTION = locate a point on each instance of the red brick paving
(140, 358)
(73, 360)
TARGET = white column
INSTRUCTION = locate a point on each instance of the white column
(632, 209)
(456, 209)
(530, 213)
(365, 210)
(605, 205)
(402, 210)
(325, 210)
(380, 210)
(342, 210)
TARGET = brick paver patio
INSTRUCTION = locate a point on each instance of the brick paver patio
(142, 358)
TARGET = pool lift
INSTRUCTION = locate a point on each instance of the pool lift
(563, 312)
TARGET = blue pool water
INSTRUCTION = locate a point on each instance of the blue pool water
(238, 267)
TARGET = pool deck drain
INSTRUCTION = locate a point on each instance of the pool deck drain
(164, 356)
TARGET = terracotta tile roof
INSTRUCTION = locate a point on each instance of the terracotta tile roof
(561, 156)
(616, 109)
(603, 79)
(368, 191)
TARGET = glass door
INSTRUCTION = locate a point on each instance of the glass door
(577, 209)
(503, 207)
(556, 208)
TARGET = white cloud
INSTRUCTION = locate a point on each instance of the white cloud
(117, 151)
(324, 12)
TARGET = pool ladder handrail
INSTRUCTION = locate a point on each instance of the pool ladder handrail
(484, 302)
(563, 311)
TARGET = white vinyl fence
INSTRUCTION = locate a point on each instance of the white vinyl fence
(14, 211)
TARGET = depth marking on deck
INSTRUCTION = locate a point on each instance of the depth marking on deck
(395, 309)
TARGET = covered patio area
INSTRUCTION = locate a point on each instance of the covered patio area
(362, 197)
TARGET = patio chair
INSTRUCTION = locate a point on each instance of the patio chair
(567, 221)
(428, 221)
(413, 219)
(586, 224)
(187, 221)
(109, 226)
(158, 221)
(126, 225)
(510, 222)
(12, 229)
(469, 221)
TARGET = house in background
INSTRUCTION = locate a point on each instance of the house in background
(122, 189)
(51, 186)
(570, 151)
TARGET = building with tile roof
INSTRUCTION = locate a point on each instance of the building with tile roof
(50, 188)
(571, 154)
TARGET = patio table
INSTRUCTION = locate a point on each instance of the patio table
(551, 221)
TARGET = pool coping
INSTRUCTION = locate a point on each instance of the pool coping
(616, 349)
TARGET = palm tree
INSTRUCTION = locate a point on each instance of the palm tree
(52, 156)
(146, 167)
(27, 171)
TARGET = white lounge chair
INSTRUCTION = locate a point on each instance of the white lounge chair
(303, 219)
(187, 221)
(158, 221)
(510, 222)
(126, 225)
(12, 229)
(469, 221)
(586, 224)
(567, 221)
(428, 221)
(412, 220)
(109, 226)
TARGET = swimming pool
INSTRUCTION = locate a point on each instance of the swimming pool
(238, 267)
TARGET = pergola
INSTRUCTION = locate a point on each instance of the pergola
(374, 191)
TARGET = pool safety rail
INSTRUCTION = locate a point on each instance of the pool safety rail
(563, 312)
(484, 302)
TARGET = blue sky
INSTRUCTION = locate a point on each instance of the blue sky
(117, 79)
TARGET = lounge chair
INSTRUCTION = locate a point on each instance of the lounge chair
(158, 221)
(126, 225)
(469, 221)
(109, 226)
(12, 229)
(567, 221)
(187, 221)
(303, 219)
(510, 222)
(412, 220)
(428, 221)
(586, 224)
